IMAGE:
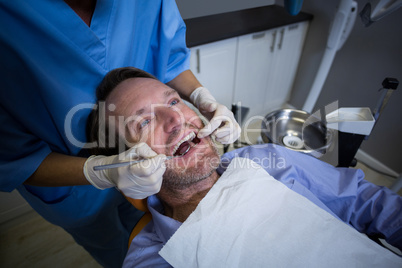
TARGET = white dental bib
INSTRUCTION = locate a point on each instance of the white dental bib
(248, 219)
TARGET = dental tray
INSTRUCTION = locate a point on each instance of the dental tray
(351, 120)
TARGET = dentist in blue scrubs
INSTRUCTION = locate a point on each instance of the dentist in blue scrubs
(53, 54)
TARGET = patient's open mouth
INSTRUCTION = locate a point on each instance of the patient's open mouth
(183, 146)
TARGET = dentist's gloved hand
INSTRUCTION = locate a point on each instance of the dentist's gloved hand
(137, 181)
(221, 118)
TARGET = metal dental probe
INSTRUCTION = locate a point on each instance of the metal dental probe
(122, 164)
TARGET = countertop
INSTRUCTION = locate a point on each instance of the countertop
(212, 28)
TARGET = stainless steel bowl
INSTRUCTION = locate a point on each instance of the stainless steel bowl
(296, 130)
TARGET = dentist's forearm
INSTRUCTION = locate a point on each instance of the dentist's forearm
(184, 84)
(59, 170)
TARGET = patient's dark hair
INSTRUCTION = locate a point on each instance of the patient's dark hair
(94, 132)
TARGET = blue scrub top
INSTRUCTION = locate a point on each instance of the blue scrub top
(51, 64)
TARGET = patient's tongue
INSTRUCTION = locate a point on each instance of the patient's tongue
(196, 140)
(183, 148)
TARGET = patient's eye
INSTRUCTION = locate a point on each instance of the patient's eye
(174, 102)
(144, 123)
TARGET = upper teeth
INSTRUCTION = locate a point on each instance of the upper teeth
(186, 138)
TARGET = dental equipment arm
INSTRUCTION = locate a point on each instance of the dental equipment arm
(376, 10)
(340, 29)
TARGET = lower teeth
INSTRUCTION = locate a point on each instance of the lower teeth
(183, 148)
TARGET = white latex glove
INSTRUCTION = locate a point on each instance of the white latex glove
(137, 181)
(226, 133)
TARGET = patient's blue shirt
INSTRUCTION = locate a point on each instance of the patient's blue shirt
(343, 192)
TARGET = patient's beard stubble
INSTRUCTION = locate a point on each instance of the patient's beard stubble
(181, 177)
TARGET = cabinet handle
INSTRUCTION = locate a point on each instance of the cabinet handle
(293, 27)
(258, 36)
(273, 41)
(197, 52)
(281, 40)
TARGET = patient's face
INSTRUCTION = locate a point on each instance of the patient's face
(154, 113)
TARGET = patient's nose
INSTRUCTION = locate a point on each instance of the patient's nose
(172, 119)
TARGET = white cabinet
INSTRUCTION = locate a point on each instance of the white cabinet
(253, 67)
(214, 66)
(266, 67)
(286, 55)
(256, 69)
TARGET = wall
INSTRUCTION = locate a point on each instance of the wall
(197, 8)
(368, 56)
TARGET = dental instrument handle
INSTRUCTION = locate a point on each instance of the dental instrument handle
(122, 164)
(388, 86)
